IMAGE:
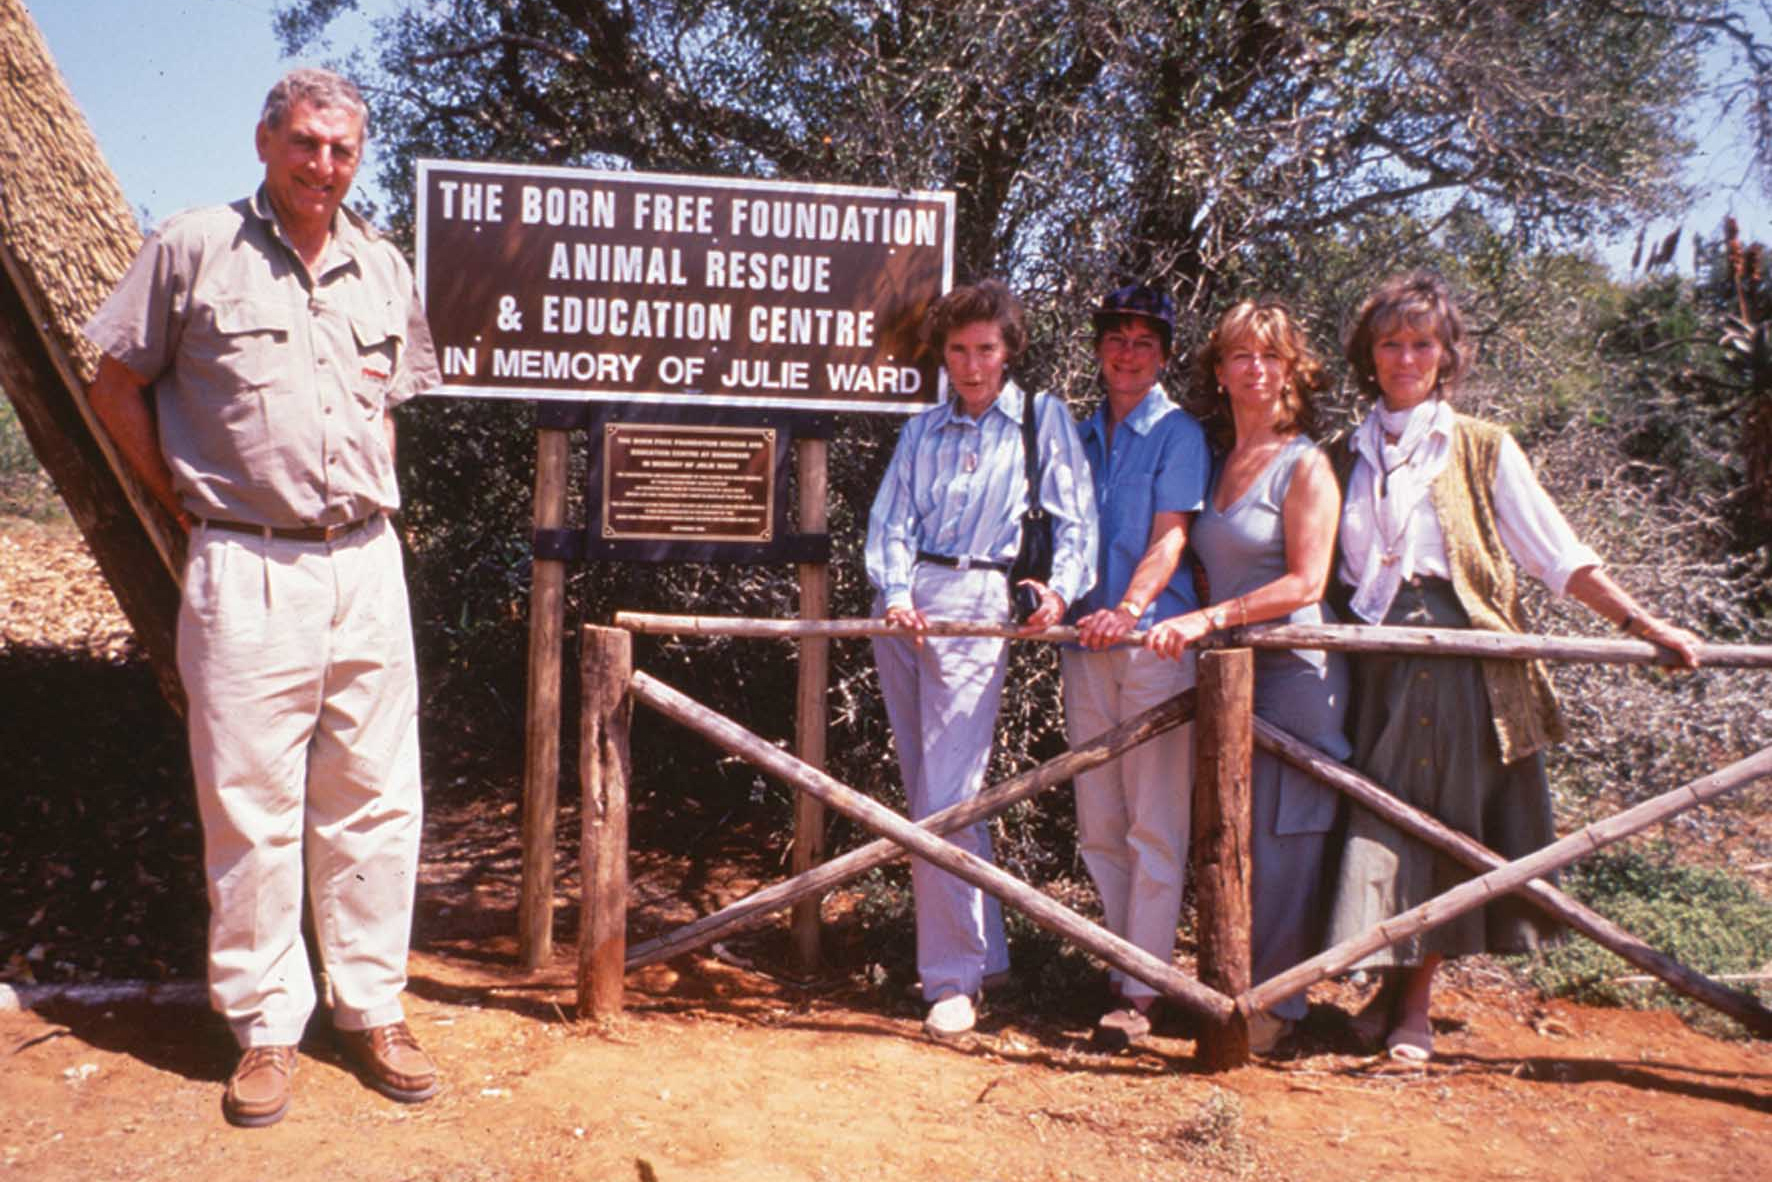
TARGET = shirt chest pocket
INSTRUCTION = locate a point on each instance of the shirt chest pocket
(1131, 490)
(378, 331)
(248, 343)
(1126, 510)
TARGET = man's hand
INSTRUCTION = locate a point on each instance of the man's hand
(119, 398)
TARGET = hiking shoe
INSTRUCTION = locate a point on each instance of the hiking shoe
(390, 1060)
(259, 1090)
(1121, 1028)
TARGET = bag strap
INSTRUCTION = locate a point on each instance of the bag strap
(1030, 454)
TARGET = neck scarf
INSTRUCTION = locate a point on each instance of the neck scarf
(1389, 484)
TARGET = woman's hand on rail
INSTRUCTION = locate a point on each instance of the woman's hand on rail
(910, 619)
(1104, 629)
(1171, 637)
(1050, 611)
(1682, 643)
(1592, 586)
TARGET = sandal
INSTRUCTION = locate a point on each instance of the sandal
(1411, 1044)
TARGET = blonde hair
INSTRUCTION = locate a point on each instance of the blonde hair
(1272, 324)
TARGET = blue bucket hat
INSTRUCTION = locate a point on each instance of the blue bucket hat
(1136, 299)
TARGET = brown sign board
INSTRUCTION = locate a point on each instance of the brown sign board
(579, 284)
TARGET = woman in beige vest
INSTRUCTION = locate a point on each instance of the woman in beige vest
(1438, 510)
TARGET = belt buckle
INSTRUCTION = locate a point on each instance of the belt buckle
(338, 530)
(963, 562)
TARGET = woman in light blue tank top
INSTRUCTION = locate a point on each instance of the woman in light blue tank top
(1265, 538)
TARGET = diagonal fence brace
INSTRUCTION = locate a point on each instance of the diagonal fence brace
(1506, 878)
(877, 818)
(1741, 1006)
(760, 905)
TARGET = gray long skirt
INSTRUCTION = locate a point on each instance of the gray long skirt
(1421, 727)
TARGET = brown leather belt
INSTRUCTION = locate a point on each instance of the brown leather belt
(300, 533)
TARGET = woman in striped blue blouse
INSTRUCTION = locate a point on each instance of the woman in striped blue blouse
(944, 529)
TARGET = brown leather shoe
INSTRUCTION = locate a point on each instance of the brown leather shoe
(1118, 1029)
(258, 1091)
(391, 1061)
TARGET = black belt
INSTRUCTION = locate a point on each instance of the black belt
(300, 533)
(962, 563)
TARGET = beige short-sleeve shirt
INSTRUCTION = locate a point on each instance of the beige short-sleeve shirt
(270, 385)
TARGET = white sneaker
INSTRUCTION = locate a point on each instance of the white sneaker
(950, 1017)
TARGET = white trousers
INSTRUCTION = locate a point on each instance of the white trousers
(297, 661)
(1134, 813)
(942, 699)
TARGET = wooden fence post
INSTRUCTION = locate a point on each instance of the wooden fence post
(1223, 741)
(607, 666)
(809, 716)
(541, 714)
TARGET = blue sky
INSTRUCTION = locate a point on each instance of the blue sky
(173, 87)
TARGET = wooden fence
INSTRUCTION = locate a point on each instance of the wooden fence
(1227, 733)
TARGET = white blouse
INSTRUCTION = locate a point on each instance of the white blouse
(1533, 529)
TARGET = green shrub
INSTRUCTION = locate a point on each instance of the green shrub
(1710, 920)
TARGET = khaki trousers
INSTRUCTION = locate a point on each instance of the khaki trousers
(297, 661)
(1133, 813)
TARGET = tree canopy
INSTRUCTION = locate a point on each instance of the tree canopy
(1173, 139)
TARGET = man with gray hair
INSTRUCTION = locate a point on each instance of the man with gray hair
(254, 353)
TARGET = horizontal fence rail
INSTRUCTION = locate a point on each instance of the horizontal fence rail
(1473, 642)
(760, 905)
(853, 629)
(1350, 638)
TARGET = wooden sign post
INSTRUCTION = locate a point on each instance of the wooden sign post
(541, 714)
(811, 721)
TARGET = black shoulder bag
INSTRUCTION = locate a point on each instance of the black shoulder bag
(1034, 561)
